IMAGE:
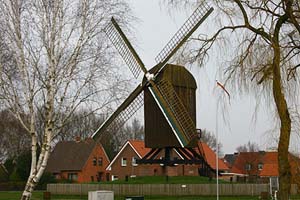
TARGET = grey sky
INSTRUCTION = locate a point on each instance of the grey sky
(153, 31)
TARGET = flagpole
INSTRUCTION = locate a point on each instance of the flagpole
(217, 150)
(217, 134)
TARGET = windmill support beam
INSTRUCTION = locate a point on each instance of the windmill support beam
(189, 157)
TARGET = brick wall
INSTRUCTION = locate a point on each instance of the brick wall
(148, 170)
(91, 172)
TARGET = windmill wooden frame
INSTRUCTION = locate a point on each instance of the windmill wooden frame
(161, 90)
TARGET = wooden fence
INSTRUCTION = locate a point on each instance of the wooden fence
(162, 189)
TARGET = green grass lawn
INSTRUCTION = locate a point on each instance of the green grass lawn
(164, 180)
(38, 195)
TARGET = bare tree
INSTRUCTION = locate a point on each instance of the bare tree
(266, 60)
(135, 130)
(210, 139)
(60, 63)
(13, 137)
(249, 147)
(81, 124)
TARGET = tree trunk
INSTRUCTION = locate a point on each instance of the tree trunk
(35, 177)
(285, 128)
(30, 185)
(38, 170)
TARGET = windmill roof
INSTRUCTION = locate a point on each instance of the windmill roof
(70, 155)
(177, 74)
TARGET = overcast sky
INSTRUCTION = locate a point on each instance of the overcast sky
(155, 28)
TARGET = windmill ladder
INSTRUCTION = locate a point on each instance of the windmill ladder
(182, 116)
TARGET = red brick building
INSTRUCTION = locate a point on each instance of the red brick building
(124, 163)
(79, 161)
(261, 166)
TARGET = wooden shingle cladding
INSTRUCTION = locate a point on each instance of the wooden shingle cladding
(83, 161)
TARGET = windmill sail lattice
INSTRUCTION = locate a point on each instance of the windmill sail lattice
(172, 109)
(179, 111)
(191, 24)
(130, 106)
(126, 114)
(127, 52)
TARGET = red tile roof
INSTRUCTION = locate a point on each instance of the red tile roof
(244, 158)
(267, 159)
(271, 157)
(270, 164)
(139, 146)
(269, 170)
(210, 157)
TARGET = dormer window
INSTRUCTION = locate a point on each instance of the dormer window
(123, 162)
(248, 167)
(260, 166)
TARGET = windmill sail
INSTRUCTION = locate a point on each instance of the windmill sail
(186, 30)
(161, 90)
(179, 111)
(122, 44)
(132, 104)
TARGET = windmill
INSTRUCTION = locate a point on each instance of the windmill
(168, 92)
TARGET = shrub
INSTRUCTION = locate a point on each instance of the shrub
(12, 186)
(3, 174)
(45, 179)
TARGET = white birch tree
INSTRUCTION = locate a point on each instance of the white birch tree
(59, 63)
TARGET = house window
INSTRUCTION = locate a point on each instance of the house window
(260, 166)
(73, 176)
(133, 161)
(57, 176)
(100, 160)
(92, 178)
(123, 162)
(248, 167)
(95, 161)
(114, 177)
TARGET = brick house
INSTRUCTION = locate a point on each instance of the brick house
(79, 161)
(124, 163)
(210, 157)
(262, 166)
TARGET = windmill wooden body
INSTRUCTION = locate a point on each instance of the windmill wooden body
(168, 94)
(158, 133)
